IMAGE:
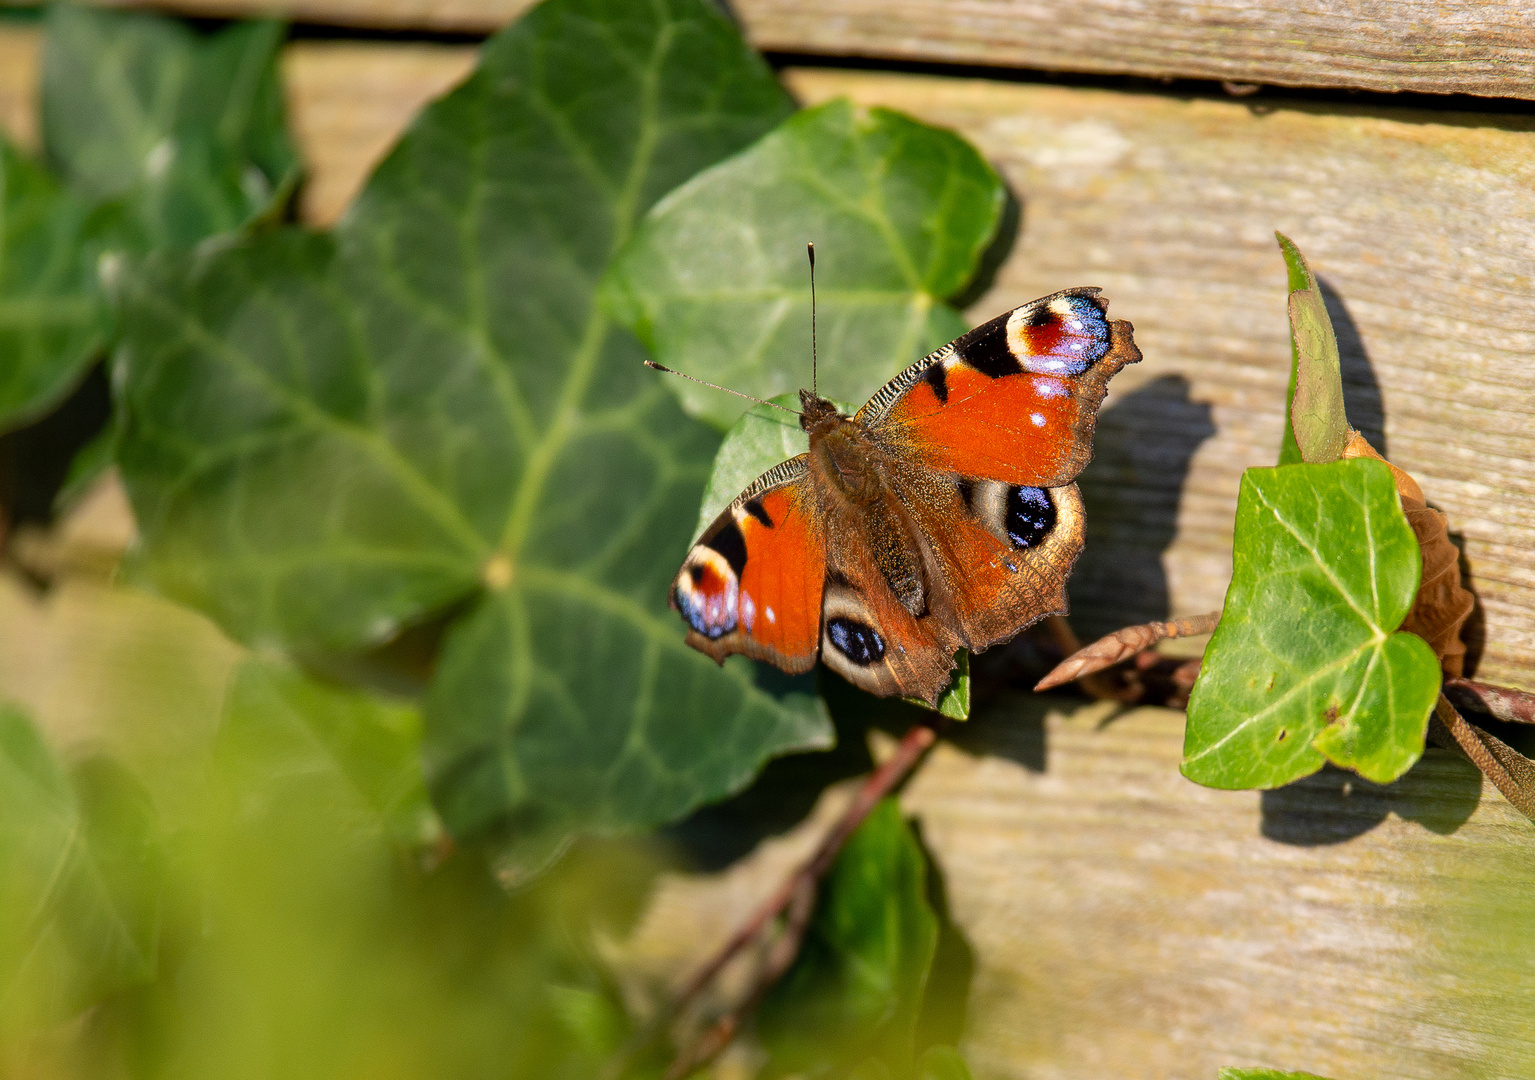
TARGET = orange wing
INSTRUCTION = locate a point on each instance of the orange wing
(1014, 400)
(752, 584)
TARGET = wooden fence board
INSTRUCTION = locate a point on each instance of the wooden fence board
(1482, 47)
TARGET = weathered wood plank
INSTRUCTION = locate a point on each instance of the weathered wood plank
(1126, 923)
(1420, 225)
(1466, 46)
(1482, 47)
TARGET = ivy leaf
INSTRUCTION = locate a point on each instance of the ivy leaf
(53, 320)
(856, 987)
(759, 440)
(716, 283)
(80, 874)
(1264, 1074)
(1319, 427)
(284, 732)
(1305, 666)
(184, 132)
(326, 437)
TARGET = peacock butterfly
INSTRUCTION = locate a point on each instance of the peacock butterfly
(941, 515)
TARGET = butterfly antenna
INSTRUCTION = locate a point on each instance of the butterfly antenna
(814, 388)
(716, 386)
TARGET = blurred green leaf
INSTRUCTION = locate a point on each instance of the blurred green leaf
(280, 723)
(185, 132)
(1264, 1074)
(716, 282)
(942, 1063)
(329, 436)
(856, 987)
(1304, 666)
(53, 320)
(1316, 418)
(80, 878)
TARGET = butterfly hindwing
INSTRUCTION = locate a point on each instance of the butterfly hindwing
(752, 583)
(1004, 552)
(1014, 399)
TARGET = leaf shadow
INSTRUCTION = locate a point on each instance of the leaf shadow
(1362, 400)
(1333, 805)
(1144, 446)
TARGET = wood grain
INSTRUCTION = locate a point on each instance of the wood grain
(1126, 923)
(1468, 46)
(1482, 47)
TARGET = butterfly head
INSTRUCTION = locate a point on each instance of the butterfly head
(817, 415)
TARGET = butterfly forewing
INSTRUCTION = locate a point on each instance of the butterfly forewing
(1014, 399)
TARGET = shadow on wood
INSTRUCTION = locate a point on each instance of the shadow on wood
(1141, 455)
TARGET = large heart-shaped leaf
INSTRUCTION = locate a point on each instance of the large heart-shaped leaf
(185, 132)
(1305, 665)
(856, 987)
(716, 282)
(80, 873)
(52, 317)
(327, 437)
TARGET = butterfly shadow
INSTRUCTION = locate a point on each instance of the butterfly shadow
(1145, 443)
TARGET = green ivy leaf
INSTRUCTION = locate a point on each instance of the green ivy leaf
(284, 733)
(184, 132)
(716, 282)
(1304, 666)
(1229, 1073)
(53, 320)
(759, 440)
(856, 987)
(1315, 418)
(80, 875)
(326, 437)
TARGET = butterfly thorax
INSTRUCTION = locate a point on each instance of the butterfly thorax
(817, 415)
(845, 472)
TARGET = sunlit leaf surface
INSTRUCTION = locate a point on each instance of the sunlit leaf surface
(328, 437)
(717, 284)
(1306, 666)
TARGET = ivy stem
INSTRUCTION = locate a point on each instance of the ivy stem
(794, 899)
